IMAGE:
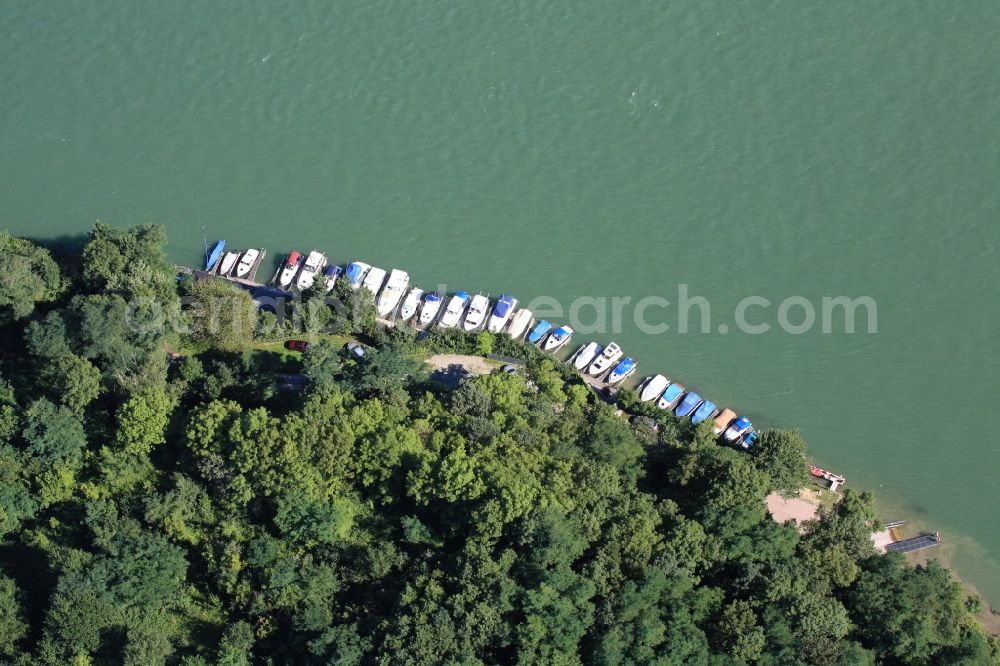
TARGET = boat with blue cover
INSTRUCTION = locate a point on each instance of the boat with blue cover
(670, 396)
(704, 412)
(356, 272)
(430, 308)
(539, 331)
(558, 338)
(330, 275)
(212, 256)
(501, 313)
(737, 429)
(624, 368)
(749, 439)
(688, 404)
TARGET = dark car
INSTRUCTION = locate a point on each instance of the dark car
(297, 345)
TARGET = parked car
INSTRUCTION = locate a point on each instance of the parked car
(297, 345)
(356, 349)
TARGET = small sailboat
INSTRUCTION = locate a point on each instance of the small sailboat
(502, 312)
(519, 323)
(585, 355)
(330, 276)
(477, 313)
(430, 308)
(703, 412)
(212, 256)
(410, 303)
(654, 388)
(228, 263)
(688, 404)
(558, 338)
(539, 331)
(314, 262)
(670, 396)
(608, 358)
(392, 292)
(247, 263)
(737, 429)
(723, 420)
(356, 272)
(290, 269)
(623, 370)
(456, 308)
(373, 281)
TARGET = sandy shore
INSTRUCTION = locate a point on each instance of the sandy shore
(800, 509)
(452, 368)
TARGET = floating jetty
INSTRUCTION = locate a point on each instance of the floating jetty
(835, 480)
(914, 544)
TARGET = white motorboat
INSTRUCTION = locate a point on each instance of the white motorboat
(670, 396)
(605, 361)
(373, 281)
(502, 312)
(558, 338)
(246, 263)
(623, 370)
(330, 276)
(585, 355)
(430, 308)
(307, 276)
(519, 323)
(392, 292)
(453, 313)
(228, 262)
(290, 269)
(737, 429)
(476, 315)
(410, 303)
(654, 388)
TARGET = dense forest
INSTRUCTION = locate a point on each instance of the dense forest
(164, 500)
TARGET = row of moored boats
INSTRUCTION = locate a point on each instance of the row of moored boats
(394, 296)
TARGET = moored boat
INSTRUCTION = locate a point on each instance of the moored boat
(585, 355)
(331, 274)
(723, 420)
(356, 272)
(476, 315)
(502, 312)
(392, 292)
(430, 308)
(623, 370)
(737, 429)
(228, 263)
(688, 404)
(703, 412)
(456, 308)
(373, 280)
(605, 360)
(538, 332)
(247, 263)
(670, 396)
(750, 438)
(519, 323)
(290, 268)
(558, 338)
(410, 303)
(212, 256)
(653, 388)
(307, 276)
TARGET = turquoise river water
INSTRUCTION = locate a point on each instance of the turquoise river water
(776, 149)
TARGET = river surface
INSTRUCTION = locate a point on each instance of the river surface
(802, 149)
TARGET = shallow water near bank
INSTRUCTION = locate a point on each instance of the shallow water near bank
(574, 150)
